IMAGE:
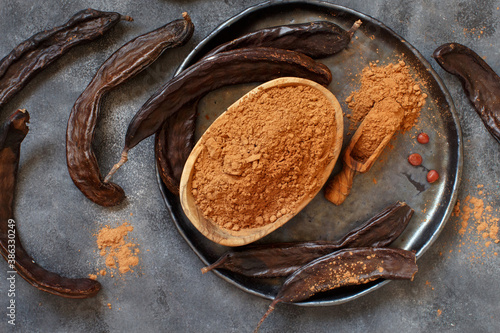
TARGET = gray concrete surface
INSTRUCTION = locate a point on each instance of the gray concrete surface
(457, 288)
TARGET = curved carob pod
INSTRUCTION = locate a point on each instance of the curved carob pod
(45, 47)
(173, 143)
(12, 134)
(125, 63)
(227, 68)
(282, 259)
(346, 267)
(479, 81)
(175, 140)
(317, 40)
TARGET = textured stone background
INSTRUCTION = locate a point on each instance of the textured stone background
(168, 293)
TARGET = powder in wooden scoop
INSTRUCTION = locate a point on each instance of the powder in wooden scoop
(264, 157)
(393, 81)
(119, 253)
(383, 120)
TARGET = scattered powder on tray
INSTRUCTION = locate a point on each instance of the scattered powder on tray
(114, 246)
(381, 83)
(264, 157)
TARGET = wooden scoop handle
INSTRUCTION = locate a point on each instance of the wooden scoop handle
(339, 187)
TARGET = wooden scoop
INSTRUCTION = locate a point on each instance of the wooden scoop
(339, 187)
(228, 237)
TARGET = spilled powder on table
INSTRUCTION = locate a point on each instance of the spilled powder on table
(478, 225)
(428, 284)
(119, 253)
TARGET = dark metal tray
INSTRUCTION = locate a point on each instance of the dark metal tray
(392, 178)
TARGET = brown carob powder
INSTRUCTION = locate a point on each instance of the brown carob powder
(264, 157)
(119, 252)
(383, 120)
(393, 82)
(476, 220)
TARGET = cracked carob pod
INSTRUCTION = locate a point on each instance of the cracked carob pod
(12, 134)
(282, 259)
(223, 69)
(125, 63)
(45, 47)
(346, 267)
(479, 81)
(175, 140)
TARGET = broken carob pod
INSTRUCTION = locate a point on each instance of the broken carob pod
(175, 140)
(282, 259)
(347, 267)
(479, 81)
(243, 65)
(317, 40)
(125, 63)
(43, 48)
(12, 133)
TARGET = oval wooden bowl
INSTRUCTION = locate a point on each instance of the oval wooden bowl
(226, 237)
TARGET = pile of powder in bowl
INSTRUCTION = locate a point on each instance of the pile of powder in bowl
(264, 157)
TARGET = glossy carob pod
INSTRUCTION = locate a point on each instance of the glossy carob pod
(126, 62)
(12, 133)
(282, 259)
(173, 144)
(347, 267)
(317, 39)
(480, 82)
(45, 47)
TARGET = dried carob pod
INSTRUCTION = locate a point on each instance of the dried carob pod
(43, 48)
(317, 39)
(126, 62)
(282, 259)
(173, 144)
(345, 268)
(12, 133)
(480, 82)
